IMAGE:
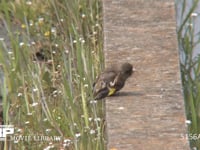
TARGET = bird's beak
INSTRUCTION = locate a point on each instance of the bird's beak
(134, 69)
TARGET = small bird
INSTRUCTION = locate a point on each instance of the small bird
(111, 80)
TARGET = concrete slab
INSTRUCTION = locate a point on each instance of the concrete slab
(148, 114)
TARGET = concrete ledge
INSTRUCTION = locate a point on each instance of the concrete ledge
(148, 114)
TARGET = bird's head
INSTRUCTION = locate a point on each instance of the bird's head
(127, 69)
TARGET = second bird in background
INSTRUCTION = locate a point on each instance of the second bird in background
(111, 80)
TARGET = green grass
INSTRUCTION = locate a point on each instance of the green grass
(52, 97)
(190, 70)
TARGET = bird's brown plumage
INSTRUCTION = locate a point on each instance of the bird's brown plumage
(111, 80)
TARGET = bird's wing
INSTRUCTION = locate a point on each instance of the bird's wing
(118, 82)
(100, 86)
(105, 77)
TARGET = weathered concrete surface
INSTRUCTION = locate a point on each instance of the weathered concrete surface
(148, 114)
